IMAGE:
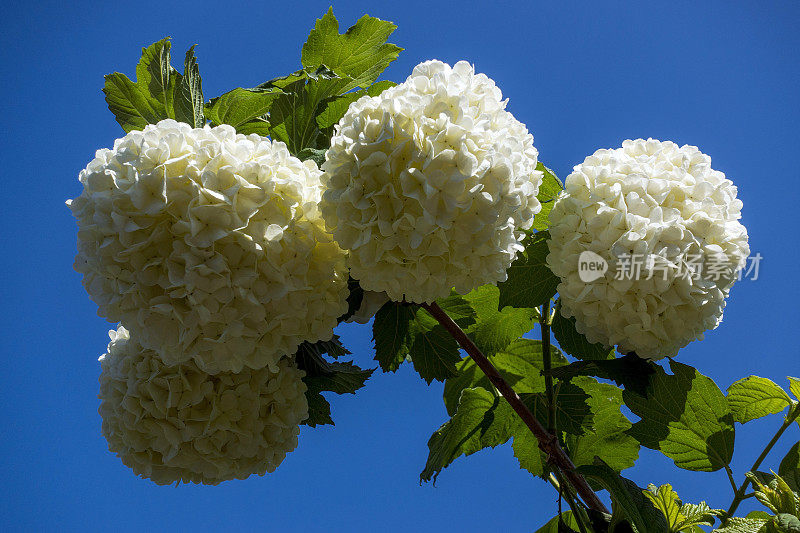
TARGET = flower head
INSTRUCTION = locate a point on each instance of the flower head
(179, 424)
(667, 225)
(209, 245)
(429, 184)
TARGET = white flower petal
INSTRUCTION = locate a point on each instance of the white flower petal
(666, 204)
(429, 184)
(209, 244)
(178, 424)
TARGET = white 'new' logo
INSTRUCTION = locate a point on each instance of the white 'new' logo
(591, 266)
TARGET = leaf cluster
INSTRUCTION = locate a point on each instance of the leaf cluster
(299, 109)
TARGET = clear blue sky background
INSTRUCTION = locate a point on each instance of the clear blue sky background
(582, 75)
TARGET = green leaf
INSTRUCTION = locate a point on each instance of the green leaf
(575, 343)
(245, 109)
(316, 155)
(354, 298)
(407, 332)
(607, 436)
(552, 526)
(776, 494)
(314, 99)
(527, 451)
(520, 364)
(665, 500)
(686, 417)
(494, 330)
(189, 93)
(794, 386)
(434, 353)
(390, 333)
(573, 415)
(737, 524)
(337, 107)
(360, 54)
(319, 410)
(150, 98)
(698, 515)
(789, 469)
(680, 517)
(754, 397)
(787, 523)
(323, 376)
(548, 192)
(293, 116)
(629, 371)
(530, 282)
(483, 419)
(629, 501)
(344, 378)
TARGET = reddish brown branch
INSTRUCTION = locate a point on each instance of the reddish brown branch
(547, 442)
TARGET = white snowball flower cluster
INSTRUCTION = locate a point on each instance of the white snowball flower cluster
(429, 184)
(179, 424)
(668, 226)
(209, 245)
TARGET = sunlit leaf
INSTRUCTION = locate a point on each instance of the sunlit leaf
(150, 98)
(360, 54)
(754, 397)
(244, 109)
(607, 436)
(686, 417)
(548, 192)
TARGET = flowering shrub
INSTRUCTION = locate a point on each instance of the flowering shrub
(663, 210)
(209, 242)
(209, 245)
(179, 424)
(430, 183)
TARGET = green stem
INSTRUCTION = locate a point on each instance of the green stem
(544, 323)
(564, 489)
(730, 478)
(739, 496)
(577, 510)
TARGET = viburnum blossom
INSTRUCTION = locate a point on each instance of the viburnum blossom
(668, 226)
(178, 424)
(429, 184)
(209, 245)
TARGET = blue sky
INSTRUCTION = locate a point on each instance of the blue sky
(582, 75)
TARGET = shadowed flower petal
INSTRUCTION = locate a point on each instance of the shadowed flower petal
(178, 424)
